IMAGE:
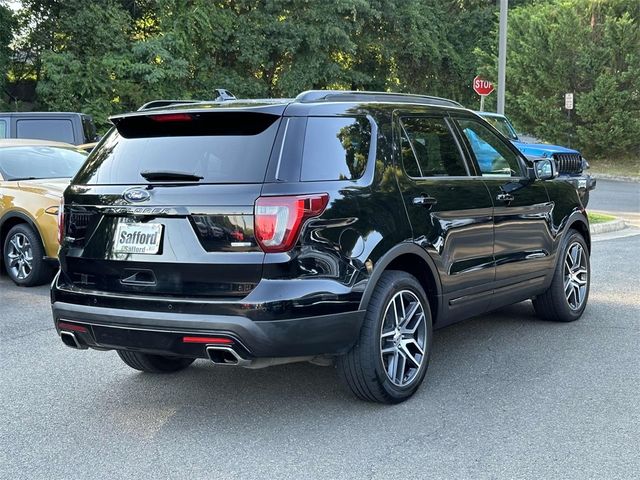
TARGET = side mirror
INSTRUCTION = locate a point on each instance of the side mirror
(544, 169)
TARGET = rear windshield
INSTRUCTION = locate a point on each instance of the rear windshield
(219, 147)
(34, 162)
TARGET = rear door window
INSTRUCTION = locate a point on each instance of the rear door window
(335, 148)
(59, 130)
(3, 128)
(220, 147)
(429, 149)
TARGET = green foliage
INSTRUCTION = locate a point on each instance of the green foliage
(7, 25)
(107, 56)
(581, 46)
(88, 67)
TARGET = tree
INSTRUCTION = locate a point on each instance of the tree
(7, 25)
(88, 65)
(589, 48)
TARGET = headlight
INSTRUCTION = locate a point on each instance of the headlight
(585, 164)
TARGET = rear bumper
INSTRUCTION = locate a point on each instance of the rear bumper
(163, 333)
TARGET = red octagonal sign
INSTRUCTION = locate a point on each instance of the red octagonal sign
(481, 86)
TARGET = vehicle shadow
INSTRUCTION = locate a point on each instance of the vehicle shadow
(484, 353)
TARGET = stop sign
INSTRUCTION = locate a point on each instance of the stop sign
(481, 86)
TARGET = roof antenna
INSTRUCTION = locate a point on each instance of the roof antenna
(223, 95)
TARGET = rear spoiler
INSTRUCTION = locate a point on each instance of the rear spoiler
(193, 123)
(222, 95)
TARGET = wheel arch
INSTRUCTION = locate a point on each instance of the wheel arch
(576, 221)
(579, 222)
(10, 220)
(410, 258)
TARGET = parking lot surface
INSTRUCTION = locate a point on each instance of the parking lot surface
(506, 396)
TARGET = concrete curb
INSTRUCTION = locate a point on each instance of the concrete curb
(607, 227)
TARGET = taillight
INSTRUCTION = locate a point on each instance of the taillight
(61, 221)
(278, 220)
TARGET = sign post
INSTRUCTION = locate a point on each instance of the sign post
(502, 55)
(568, 105)
(483, 88)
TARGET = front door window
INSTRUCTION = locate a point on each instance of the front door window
(493, 156)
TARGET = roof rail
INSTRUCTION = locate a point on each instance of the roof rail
(311, 96)
(222, 95)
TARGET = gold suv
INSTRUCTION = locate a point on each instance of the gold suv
(33, 175)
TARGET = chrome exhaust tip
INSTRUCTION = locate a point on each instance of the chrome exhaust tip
(226, 356)
(70, 340)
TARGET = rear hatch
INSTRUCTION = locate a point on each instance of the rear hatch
(164, 204)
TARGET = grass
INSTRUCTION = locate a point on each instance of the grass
(599, 218)
(620, 166)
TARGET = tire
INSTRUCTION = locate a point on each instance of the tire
(366, 369)
(23, 257)
(154, 363)
(556, 305)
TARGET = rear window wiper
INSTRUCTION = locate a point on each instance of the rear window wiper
(169, 176)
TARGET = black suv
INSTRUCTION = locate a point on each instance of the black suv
(335, 227)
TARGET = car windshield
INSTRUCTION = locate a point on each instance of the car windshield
(36, 162)
(503, 126)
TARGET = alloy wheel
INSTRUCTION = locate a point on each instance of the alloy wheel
(576, 275)
(403, 338)
(20, 256)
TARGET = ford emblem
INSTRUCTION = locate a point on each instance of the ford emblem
(136, 195)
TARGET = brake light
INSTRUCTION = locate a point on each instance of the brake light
(61, 221)
(278, 220)
(172, 117)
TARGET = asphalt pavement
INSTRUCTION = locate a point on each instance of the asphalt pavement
(506, 396)
(616, 197)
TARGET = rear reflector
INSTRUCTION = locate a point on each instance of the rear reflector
(72, 327)
(278, 220)
(208, 340)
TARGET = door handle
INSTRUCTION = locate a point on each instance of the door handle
(424, 200)
(505, 197)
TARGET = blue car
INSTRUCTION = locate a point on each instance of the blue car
(571, 165)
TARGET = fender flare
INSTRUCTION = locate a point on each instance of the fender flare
(576, 217)
(22, 216)
(384, 261)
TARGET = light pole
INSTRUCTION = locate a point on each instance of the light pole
(502, 54)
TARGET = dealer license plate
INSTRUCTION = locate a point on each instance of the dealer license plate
(138, 238)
